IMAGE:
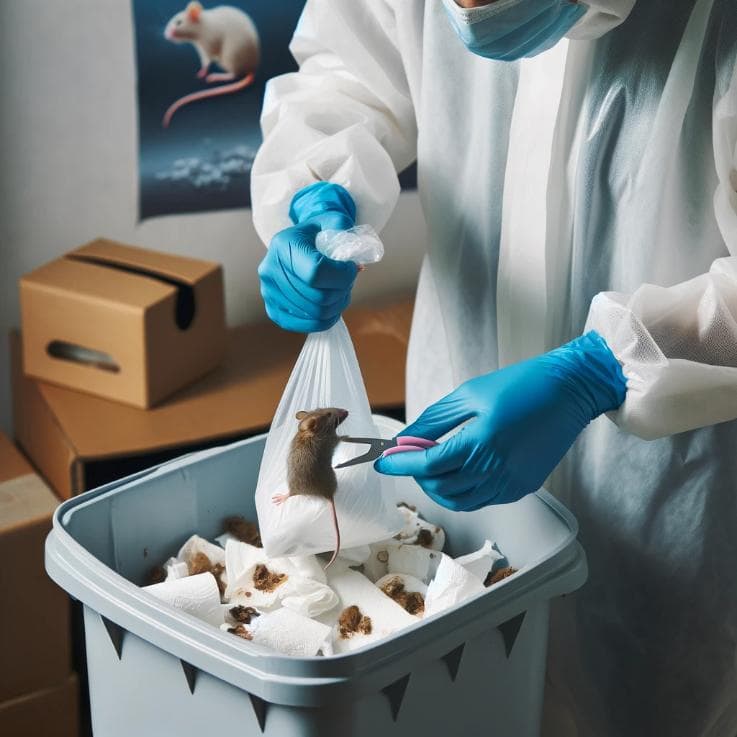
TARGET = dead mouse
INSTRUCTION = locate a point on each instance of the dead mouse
(225, 35)
(310, 460)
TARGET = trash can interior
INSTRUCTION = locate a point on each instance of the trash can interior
(136, 525)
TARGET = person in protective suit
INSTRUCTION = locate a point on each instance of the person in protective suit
(577, 168)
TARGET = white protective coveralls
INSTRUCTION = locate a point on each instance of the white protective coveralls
(591, 186)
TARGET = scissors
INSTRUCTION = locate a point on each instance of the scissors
(382, 447)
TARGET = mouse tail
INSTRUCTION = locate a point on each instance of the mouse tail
(337, 535)
(223, 89)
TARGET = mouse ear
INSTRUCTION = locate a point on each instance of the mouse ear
(194, 9)
(301, 415)
(308, 425)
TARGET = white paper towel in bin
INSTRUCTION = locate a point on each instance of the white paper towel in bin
(308, 597)
(414, 560)
(481, 561)
(291, 633)
(221, 540)
(326, 375)
(175, 569)
(410, 583)
(309, 567)
(178, 567)
(197, 544)
(355, 589)
(414, 525)
(298, 591)
(452, 584)
(197, 595)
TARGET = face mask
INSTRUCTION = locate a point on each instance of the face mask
(511, 29)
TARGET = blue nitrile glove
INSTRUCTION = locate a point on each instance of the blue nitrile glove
(303, 290)
(523, 418)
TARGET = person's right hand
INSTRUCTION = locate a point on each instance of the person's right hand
(303, 290)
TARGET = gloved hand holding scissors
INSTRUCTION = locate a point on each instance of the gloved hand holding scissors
(303, 290)
(521, 421)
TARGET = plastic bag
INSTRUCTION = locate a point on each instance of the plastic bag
(360, 244)
(327, 375)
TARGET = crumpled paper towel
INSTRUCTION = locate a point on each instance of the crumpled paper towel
(309, 598)
(221, 540)
(414, 560)
(481, 561)
(197, 544)
(197, 595)
(451, 585)
(175, 569)
(306, 596)
(413, 526)
(178, 567)
(355, 589)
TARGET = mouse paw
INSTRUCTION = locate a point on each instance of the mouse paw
(279, 498)
(202, 73)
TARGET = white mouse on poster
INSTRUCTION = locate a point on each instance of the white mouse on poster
(225, 35)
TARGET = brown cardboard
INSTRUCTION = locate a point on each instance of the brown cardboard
(34, 616)
(51, 712)
(78, 441)
(158, 318)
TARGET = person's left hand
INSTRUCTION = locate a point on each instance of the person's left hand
(303, 290)
(521, 420)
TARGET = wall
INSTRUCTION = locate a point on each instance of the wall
(68, 164)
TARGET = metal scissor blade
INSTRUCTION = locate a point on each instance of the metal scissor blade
(378, 446)
(371, 455)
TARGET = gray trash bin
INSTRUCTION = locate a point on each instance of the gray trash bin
(477, 669)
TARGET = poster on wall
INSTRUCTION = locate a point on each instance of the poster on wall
(198, 119)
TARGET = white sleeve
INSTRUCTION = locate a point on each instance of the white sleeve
(678, 345)
(346, 116)
(601, 17)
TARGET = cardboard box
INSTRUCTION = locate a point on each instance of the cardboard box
(121, 322)
(34, 616)
(79, 441)
(52, 712)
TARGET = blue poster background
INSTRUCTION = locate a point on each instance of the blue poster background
(202, 161)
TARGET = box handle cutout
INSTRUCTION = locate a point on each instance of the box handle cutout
(79, 354)
(184, 310)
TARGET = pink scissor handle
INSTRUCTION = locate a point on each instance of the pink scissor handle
(407, 443)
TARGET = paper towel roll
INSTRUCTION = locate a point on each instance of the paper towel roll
(292, 634)
(411, 585)
(355, 589)
(197, 595)
(452, 584)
